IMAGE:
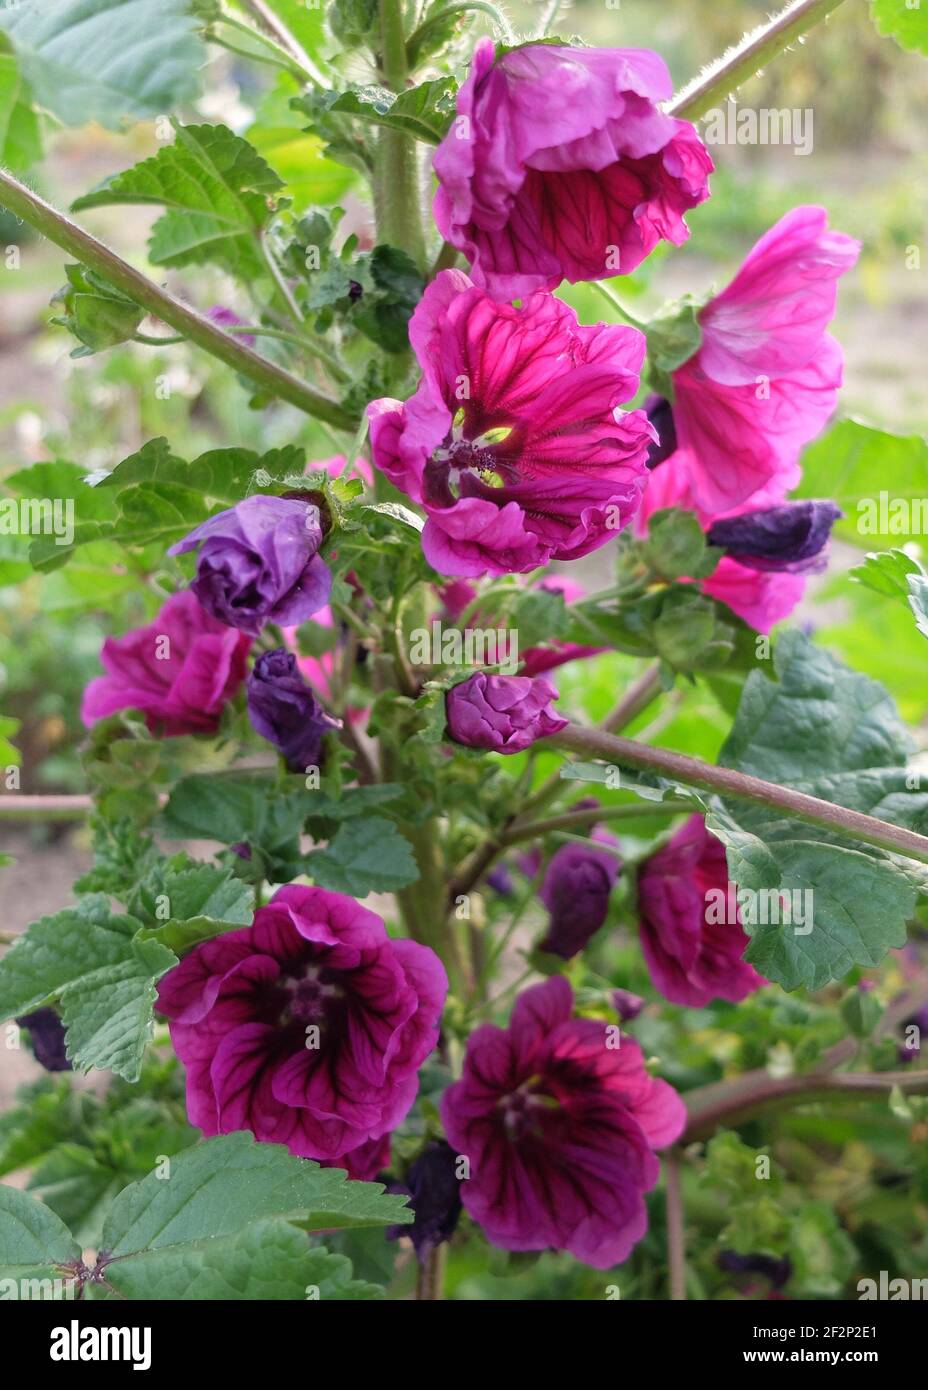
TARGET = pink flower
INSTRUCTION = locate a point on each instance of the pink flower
(560, 166)
(180, 671)
(683, 890)
(307, 1028)
(765, 378)
(559, 1128)
(514, 442)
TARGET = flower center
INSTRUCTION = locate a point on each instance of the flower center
(523, 1110)
(459, 458)
(313, 997)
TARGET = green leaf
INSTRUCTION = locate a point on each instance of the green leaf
(225, 1185)
(96, 313)
(242, 810)
(110, 61)
(674, 334)
(425, 112)
(267, 1260)
(905, 23)
(20, 137)
(832, 733)
(187, 902)
(366, 856)
(676, 546)
(87, 958)
(34, 1242)
(895, 573)
(215, 187)
(851, 464)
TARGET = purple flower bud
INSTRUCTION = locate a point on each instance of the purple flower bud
(285, 711)
(504, 713)
(46, 1033)
(777, 1270)
(228, 318)
(789, 538)
(576, 892)
(435, 1196)
(257, 563)
(660, 415)
(500, 880)
(626, 1004)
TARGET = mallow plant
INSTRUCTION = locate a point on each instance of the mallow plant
(416, 935)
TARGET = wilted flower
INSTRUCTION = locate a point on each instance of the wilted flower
(692, 957)
(504, 713)
(515, 442)
(257, 562)
(434, 1190)
(307, 1028)
(559, 1130)
(180, 671)
(284, 710)
(576, 889)
(47, 1035)
(561, 166)
(790, 538)
(765, 377)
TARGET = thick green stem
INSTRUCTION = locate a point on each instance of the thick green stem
(65, 233)
(396, 176)
(725, 781)
(746, 58)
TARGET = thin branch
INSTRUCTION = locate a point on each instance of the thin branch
(287, 40)
(676, 1229)
(579, 820)
(636, 699)
(64, 232)
(746, 58)
(17, 806)
(725, 781)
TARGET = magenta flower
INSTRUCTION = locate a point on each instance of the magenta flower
(307, 1028)
(506, 714)
(560, 166)
(692, 941)
(765, 378)
(514, 442)
(559, 1126)
(180, 671)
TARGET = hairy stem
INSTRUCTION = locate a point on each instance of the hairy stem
(725, 781)
(744, 59)
(61, 230)
(396, 178)
(273, 23)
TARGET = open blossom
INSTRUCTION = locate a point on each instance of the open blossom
(285, 711)
(764, 380)
(692, 957)
(307, 1028)
(506, 714)
(515, 442)
(561, 166)
(257, 562)
(180, 670)
(559, 1129)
